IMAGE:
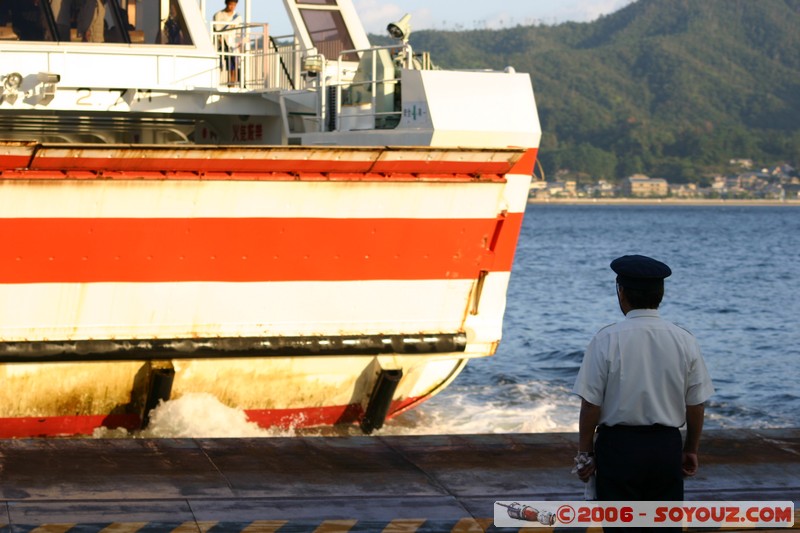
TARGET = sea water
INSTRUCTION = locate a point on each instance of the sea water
(735, 285)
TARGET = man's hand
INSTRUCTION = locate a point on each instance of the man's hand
(690, 464)
(586, 472)
(584, 466)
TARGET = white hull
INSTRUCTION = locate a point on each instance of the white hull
(310, 229)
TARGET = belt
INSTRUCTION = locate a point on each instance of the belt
(622, 428)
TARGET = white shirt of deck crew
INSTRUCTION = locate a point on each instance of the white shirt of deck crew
(643, 371)
(226, 24)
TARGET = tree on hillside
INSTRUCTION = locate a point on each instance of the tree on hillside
(668, 88)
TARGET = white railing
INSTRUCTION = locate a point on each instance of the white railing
(348, 99)
(251, 59)
(351, 99)
(379, 112)
(242, 51)
(285, 64)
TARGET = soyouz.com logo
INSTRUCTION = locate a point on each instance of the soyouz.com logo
(711, 514)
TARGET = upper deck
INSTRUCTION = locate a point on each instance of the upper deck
(156, 71)
(168, 44)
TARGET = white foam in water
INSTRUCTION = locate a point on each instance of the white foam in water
(460, 411)
(196, 415)
(199, 415)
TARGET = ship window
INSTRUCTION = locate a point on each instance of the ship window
(78, 20)
(175, 30)
(153, 21)
(145, 22)
(328, 32)
(97, 21)
(22, 20)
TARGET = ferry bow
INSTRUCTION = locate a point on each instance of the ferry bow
(311, 229)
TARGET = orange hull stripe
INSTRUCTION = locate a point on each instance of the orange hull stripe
(297, 167)
(85, 250)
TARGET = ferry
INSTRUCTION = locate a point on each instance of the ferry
(312, 229)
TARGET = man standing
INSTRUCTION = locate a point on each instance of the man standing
(91, 15)
(641, 379)
(225, 25)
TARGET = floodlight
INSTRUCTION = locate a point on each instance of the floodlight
(400, 29)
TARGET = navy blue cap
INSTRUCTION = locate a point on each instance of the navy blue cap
(639, 271)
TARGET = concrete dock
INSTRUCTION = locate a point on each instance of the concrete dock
(355, 484)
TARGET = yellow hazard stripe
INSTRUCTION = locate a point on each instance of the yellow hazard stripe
(403, 526)
(335, 526)
(53, 528)
(264, 526)
(126, 527)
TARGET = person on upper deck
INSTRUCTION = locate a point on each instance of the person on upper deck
(90, 19)
(173, 30)
(641, 379)
(225, 26)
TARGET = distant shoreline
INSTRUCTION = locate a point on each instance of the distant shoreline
(663, 201)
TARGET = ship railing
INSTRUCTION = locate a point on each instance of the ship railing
(370, 99)
(350, 98)
(242, 51)
(285, 64)
(252, 59)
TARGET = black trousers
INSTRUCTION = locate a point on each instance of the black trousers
(639, 463)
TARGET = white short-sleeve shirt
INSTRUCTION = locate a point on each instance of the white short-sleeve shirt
(643, 371)
(225, 23)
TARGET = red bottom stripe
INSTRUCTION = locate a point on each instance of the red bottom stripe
(299, 418)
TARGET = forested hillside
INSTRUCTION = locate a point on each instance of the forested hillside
(669, 88)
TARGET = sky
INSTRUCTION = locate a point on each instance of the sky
(445, 14)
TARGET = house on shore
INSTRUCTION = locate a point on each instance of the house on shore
(640, 185)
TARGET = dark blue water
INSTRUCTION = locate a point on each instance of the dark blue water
(735, 285)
